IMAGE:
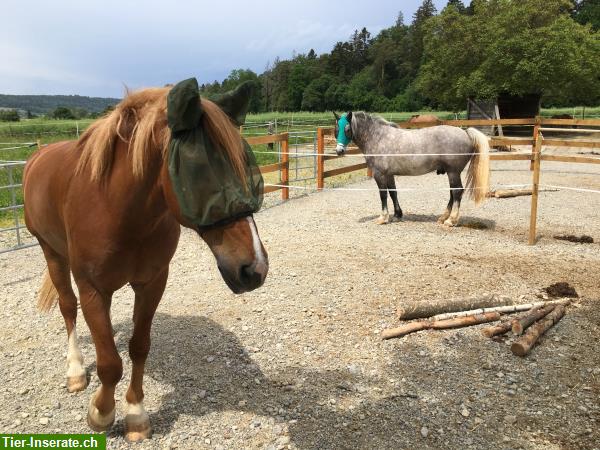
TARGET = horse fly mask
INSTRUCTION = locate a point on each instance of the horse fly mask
(208, 190)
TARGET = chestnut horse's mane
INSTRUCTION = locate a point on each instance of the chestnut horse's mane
(140, 120)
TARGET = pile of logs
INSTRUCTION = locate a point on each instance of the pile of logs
(535, 318)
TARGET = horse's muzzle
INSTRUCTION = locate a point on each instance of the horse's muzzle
(340, 149)
(246, 279)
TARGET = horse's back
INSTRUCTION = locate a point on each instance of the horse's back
(45, 185)
(440, 148)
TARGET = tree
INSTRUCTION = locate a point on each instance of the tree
(525, 47)
(313, 98)
(417, 33)
(62, 113)
(458, 4)
(588, 11)
(361, 90)
(9, 115)
(400, 19)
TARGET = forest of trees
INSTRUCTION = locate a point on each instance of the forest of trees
(482, 49)
(79, 105)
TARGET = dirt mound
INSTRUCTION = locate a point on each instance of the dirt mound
(561, 289)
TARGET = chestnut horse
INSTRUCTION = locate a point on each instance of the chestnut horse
(104, 210)
(423, 118)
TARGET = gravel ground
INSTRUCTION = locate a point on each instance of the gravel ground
(300, 364)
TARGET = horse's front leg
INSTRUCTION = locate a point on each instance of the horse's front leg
(147, 298)
(96, 311)
(381, 181)
(391, 185)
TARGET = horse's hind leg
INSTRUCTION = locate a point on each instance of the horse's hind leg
(391, 185)
(147, 297)
(58, 270)
(381, 181)
(448, 210)
(457, 190)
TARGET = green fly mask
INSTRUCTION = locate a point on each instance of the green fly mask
(208, 190)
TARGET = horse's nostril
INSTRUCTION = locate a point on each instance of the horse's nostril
(249, 276)
(245, 271)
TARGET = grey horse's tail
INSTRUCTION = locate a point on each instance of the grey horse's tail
(478, 176)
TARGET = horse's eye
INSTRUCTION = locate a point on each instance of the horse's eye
(347, 130)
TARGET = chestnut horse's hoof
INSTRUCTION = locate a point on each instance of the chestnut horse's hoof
(137, 433)
(97, 421)
(137, 423)
(77, 383)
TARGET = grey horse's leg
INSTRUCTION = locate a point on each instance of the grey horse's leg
(381, 181)
(456, 191)
(391, 185)
(448, 210)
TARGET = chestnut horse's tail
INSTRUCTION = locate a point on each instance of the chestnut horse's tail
(47, 296)
(478, 176)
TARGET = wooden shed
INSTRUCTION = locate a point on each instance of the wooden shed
(505, 107)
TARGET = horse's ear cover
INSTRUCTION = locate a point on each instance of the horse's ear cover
(235, 103)
(183, 106)
(208, 190)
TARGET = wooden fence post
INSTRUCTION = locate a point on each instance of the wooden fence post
(285, 169)
(39, 144)
(536, 132)
(537, 157)
(320, 158)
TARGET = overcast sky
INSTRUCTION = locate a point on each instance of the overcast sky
(92, 47)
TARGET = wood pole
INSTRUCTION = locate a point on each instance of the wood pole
(320, 158)
(285, 169)
(537, 156)
(536, 135)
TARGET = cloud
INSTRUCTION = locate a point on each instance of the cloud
(93, 48)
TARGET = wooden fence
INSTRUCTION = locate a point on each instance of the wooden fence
(536, 156)
(283, 165)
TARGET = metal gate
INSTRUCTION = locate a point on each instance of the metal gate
(13, 233)
(302, 156)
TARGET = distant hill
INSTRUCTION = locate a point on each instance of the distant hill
(43, 104)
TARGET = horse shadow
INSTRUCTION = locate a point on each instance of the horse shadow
(201, 368)
(207, 370)
(464, 222)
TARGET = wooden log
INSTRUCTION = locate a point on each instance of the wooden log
(520, 324)
(419, 310)
(495, 330)
(467, 321)
(405, 329)
(501, 309)
(525, 343)
(439, 324)
(506, 193)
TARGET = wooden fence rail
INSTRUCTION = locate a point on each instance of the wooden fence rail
(536, 156)
(283, 165)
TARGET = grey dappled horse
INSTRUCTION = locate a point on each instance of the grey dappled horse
(443, 148)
